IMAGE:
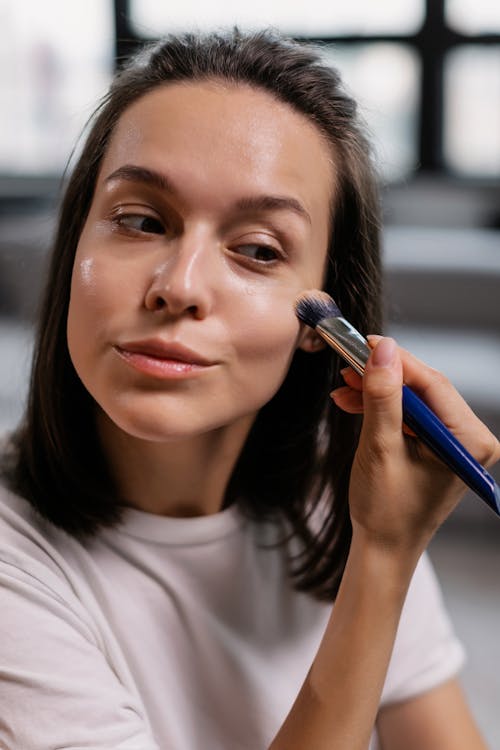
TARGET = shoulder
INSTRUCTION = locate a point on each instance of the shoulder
(21, 528)
(56, 650)
(32, 551)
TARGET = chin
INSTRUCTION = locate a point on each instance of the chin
(153, 429)
(168, 425)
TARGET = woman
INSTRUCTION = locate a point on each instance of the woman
(183, 501)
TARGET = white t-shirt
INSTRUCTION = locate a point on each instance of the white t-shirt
(171, 634)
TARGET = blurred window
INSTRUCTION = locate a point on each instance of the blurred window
(430, 99)
(56, 59)
(295, 17)
(472, 110)
(385, 79)
(426, 73)
(473, 16)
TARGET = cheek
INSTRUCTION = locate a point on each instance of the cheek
(86, 301)
(93, 287)
(268, 336)
(95, 297)
(100, 291)
(82, 283)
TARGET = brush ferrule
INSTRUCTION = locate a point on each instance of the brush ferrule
(346, 340)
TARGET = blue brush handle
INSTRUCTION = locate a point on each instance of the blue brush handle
(424, 423)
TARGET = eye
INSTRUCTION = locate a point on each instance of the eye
(140, 223)
(261, 253)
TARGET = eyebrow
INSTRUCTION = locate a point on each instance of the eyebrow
(273, 203)
(134, 173)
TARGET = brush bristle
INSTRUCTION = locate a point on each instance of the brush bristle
(313, 306)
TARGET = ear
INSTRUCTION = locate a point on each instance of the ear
(310, 341)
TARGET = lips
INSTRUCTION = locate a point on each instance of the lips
(166, 351)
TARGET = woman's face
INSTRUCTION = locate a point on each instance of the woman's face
(210, 214)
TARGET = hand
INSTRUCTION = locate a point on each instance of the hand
(400, 493)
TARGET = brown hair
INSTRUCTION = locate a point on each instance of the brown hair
(300, 449)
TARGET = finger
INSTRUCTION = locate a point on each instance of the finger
(352, 379)
(382, 383)
(430, 384)
(348, 400)
(351, 401)
(439, 394)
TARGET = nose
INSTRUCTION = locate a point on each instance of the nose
(184, 282)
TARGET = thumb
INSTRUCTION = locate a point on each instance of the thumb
(382, 398)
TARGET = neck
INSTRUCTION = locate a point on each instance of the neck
(181, 478)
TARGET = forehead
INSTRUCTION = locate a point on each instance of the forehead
(215, 130)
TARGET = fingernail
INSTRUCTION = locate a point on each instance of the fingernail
(373, 339)
(384, 353)
(344, 371)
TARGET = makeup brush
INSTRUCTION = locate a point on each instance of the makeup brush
(318, 310)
